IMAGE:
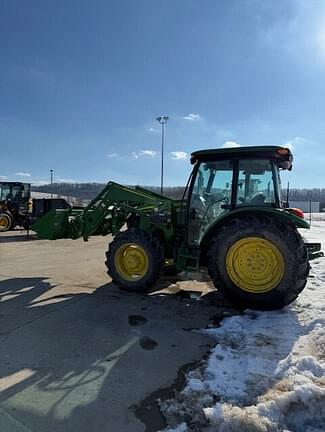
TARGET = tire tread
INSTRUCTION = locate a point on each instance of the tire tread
(263, 225)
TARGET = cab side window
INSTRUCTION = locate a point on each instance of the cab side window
(255, 183)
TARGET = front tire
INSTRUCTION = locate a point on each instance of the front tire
(134, 260)
(5, 222)
(258, 263)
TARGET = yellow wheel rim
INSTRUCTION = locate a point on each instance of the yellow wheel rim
(131, 262)
(4, 222)
(255, 265)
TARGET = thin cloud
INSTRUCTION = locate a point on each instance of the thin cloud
(2, 177)
(152, 130)
(23, 174)
(230, 144)
(113, 155)
(151, 153)
(192, 117)
(178, 155)
(141, 153)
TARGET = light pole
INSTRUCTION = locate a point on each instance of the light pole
(162, 120)
(51, 171)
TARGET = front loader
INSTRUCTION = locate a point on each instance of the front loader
(231, 220)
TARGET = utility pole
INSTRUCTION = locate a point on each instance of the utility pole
(162, 120)
(310, 207)
(51, 171)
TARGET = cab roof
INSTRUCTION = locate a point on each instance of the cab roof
(13, 183)
(281, 155)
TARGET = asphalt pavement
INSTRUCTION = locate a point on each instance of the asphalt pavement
(78, 354)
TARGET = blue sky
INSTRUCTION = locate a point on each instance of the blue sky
(81, 83)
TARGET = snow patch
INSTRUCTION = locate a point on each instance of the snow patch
(267, 371)
(180, 428)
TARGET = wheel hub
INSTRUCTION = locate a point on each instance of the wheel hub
(131, 261)
(255, 264)
(4, 222)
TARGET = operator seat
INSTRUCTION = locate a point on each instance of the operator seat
(258, 199)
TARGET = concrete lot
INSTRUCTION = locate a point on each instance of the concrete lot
(76, 353)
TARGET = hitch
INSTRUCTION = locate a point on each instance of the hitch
(314, 251)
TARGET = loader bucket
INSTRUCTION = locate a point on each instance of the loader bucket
(53, 225)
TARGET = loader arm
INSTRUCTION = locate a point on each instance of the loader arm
(105, 214)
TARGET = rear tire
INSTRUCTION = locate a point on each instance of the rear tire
(5, 222)
(258, 263)
(134, 260)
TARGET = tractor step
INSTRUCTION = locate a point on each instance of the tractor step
(188, 259)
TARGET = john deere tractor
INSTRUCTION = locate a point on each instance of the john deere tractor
(231, 220)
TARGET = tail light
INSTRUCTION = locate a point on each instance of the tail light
(283, 151)
(296, 212)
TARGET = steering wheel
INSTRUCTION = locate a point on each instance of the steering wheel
(204, 205)
(211, 204)
(199, 204)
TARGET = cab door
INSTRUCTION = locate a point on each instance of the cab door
(211, 197)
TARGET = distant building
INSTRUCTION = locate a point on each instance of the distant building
(43, 195)
(306, 206)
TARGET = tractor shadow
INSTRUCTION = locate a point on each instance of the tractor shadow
(76, 361)
(17, 235)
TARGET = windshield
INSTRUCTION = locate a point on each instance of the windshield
(5, 190)
(13, 192)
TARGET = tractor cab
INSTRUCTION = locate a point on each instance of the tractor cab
(15, 195)
(228, 179)
(15, 204)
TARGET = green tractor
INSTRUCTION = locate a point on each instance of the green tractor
(232, 220)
